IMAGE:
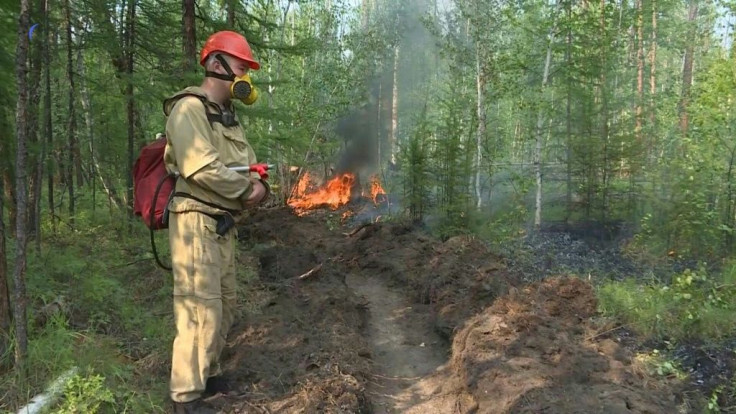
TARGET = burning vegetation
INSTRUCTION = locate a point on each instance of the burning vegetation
(333, 194)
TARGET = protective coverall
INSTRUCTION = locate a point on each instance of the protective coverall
(203, 262)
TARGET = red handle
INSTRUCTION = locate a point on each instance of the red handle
(261, 169)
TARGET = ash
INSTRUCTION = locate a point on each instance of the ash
(554, 252)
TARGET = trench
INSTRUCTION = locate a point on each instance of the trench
(405, 350)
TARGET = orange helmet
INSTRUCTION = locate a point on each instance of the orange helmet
(231, 43)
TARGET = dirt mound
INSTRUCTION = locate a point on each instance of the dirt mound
(531, 352)
(458, 278)
(346, 320)
(300, 347)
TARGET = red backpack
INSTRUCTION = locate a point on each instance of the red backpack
(152, 185)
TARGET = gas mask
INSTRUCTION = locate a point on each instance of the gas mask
(241, 88)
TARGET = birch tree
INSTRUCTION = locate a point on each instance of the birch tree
(539, 132)
(393, 140)
(74, 164)
(687, 67)
(481, 131)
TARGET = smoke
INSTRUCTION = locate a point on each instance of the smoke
(359, 136)
(396, 89)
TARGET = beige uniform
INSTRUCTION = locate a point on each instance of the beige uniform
(203, 262)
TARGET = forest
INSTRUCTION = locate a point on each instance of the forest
(514, 152)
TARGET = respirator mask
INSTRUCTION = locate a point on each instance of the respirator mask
(241, 88)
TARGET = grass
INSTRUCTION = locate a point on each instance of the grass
(110, 317)
(98, 302)
(693, 305)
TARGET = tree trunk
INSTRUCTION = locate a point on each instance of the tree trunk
(730, 218)
(189, 35)
(393, 143)
(129, 42)
(538, 135)
(86, 108)
(21, 118)
(74, 166)
(639, 70)
(281, 160)
(379, 120)
(10, 194)
(652, 82)
(231, 14)
(604, 115)
(37, 179)
(687, 68)
(365, 13)
(5, 316)
(568, 115)
(48, 127)
(481, 132)
(34, 156)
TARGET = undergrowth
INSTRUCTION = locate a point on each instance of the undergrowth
(694, 305)
(98, 307)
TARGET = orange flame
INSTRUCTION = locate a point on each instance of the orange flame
(334, 194)
(376, 189)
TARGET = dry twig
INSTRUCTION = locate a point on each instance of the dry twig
(357, 229)
(311, 272)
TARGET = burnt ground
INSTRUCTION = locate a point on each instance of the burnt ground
(384, 318)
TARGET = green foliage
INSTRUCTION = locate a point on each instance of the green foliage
(112, 303)
(505, 227)
(86, 393)
(693, 305)
(414, 160)
(661, 365)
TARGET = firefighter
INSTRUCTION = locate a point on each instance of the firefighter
(204, 138)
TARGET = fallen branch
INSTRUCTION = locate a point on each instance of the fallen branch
(40, 401)
(311, 272)
(357, 229)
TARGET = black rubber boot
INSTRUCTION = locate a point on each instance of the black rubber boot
(217, 384)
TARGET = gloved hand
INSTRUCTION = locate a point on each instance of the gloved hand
(257, 195)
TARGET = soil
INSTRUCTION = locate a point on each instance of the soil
(383, 318)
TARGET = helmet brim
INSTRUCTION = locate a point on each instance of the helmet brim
(251, 63)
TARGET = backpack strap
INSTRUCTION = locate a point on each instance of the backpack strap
(227, 119)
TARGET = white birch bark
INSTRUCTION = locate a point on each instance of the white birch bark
(480, 133)
(395, 108)
(539, 126)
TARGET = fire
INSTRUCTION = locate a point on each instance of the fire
(376, 189)
(335, 193)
